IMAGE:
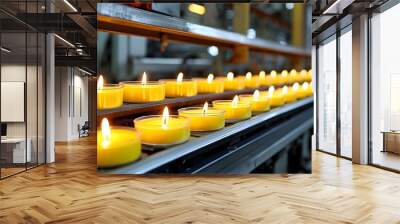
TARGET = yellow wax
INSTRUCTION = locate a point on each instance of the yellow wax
(266, 80)
(293, 76)
(259, 104)
(309, 76)
(276, 99)
(301, 93)
(123, 146)
(211, 120)
(309, 90)
(290, 96)
(234, 113)
(109, 96)
(214, 86)
(152, 131)
(284, 77)
(136, 92)
(252, 83)
(236, 83)
(302, 77)
(180, 89)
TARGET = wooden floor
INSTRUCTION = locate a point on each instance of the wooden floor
(70, 191)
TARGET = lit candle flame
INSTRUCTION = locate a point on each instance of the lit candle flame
(256, 94)
(179, 78)
(271, 91)
(303, 72)
(296, 86)
(100, 82)
(285, 90)
(235, 101)
(144, 78)
(293, 72)
(165, 118)
(248, 75)
(284, 73)
(305, 85)
(210, 78)
(262, 75)
(105, 132)
(273, 73)
(230, 76)
(205, 108)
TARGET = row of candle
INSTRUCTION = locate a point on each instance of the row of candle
(113, 95)
(117, 146)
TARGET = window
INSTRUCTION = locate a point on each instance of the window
(385, 89)
(346, 93)
(327, 96)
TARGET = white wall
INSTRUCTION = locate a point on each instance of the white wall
(71, 93)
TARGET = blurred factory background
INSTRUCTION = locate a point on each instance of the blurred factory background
(125, 57)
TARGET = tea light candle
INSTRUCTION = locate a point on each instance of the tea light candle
(309, 76)
(276, 98)
(297, 91)
(116, 146)
(144, 91)
(180, 87)
(235, 110)
(258, 103)
(309, 89)
(288, 94)
(302, 76)
(293, 76)
(275, 79)
(251, 81)
(232, 83)
(108, 96)
(284, 77)
(163, 130)
(265, 80)
(204, 118)
(210, 85)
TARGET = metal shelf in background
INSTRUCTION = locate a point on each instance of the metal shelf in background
(129, 109)
(301, 118)
(120, 18)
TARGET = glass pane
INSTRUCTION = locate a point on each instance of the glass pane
(14, 153)
(327, 97)
(31, 97)
(346, 94)
(41, 99)
(385, 113)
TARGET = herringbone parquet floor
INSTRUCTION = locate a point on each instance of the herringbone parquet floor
(70, 191)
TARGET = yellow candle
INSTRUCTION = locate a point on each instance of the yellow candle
(309, 76)
(232, 83)
(180, 87)
(288, 94)
(309, 89)
(293, 76)
(265, 80)
(108, 96)
(163, 130)
(204, 118)
(276, 79)
(144, 91)
(297, 91)
(259, 103)
(276, 98)
(284, 77)
(302, 91)
(251, 81)
(303, 76)
(116, 146)
(210, 85)
(235, 110)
